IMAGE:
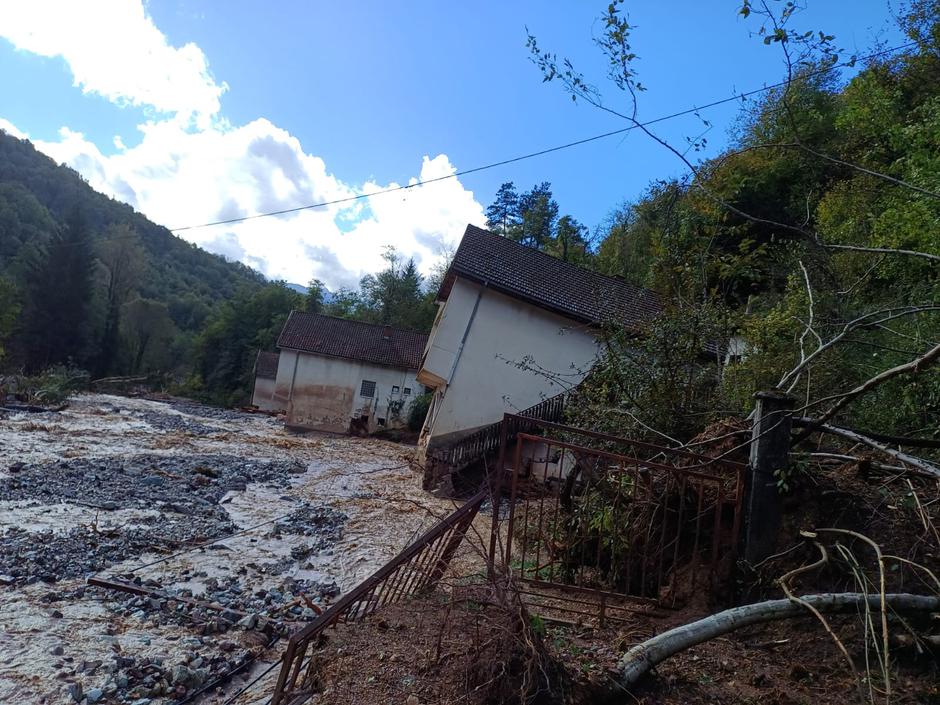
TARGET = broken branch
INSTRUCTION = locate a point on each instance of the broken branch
(919, 464)
(921, 363)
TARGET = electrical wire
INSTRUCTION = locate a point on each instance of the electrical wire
(523, 157)
(542, 152)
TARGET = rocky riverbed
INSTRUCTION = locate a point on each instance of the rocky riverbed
(232, 531)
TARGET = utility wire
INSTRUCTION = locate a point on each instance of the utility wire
(531, 155)
(549, 150)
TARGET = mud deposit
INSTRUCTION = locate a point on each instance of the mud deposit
(237, 532)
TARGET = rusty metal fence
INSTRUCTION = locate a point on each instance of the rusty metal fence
(468, 450)
(596, 521)
(417, 568)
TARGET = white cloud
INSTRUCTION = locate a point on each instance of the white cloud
(114, 49)
(191, 166)
(11, 129)
(179, 177)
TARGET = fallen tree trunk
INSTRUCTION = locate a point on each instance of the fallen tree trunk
(641, 658)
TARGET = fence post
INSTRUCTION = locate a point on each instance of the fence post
(495, 480)
(770, 450)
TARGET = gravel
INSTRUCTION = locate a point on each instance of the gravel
(186, 490)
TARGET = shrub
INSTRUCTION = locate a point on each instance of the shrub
(419, 411)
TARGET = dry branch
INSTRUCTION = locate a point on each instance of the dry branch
(641, 658)
(924, 361)
(919, 464)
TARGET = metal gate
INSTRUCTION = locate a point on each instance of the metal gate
(609, 517)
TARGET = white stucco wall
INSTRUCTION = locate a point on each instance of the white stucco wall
(263, 395)
(323, 393)
(497, 362)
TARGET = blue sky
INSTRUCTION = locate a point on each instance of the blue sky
(249, 106)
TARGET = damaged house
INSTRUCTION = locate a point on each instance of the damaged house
(262, 394)
(515, 326)
(346, 376)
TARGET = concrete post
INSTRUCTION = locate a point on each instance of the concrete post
(770, 450)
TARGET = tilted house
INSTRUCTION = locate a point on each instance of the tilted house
(514, 327)
(262, 395)
(346, 376)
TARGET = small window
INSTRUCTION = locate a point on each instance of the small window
(381, 422)
(396, 389)
(368, 389)
(407, 391)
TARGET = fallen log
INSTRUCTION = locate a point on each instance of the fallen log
(641, 658)
(33, 408)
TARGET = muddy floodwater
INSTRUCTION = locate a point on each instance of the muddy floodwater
(260, 527)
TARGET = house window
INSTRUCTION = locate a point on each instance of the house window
(407, 391)
(368, 389)
(396, 389)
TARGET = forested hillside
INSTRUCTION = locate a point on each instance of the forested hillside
(814, 238)
(87, 281)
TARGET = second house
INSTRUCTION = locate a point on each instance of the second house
(346, 376)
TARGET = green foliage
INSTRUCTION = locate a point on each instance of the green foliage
(397, 296)
(58, 296)
(9, 312)
(532, 219)
(147, 333)
(418, 411)
(51, 387)
(665, 379)
(66, 315)
(735, 248)
(537, 625)
(226, 349)
(313, 302)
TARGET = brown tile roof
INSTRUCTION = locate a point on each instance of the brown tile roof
(266, 364)
(540, 279)
(366, 342)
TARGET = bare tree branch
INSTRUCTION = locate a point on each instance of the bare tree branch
(914, 366)
(871, 319)
(885, 250)
(920, 464)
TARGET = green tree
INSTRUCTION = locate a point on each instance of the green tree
(122, 259)
(316, 292)
(395, 295)
(9, 312)
(226, 349)
(345, 303)
(58, 298)
(570, 243)
(147, 330)
(538, 213)
(502, 215)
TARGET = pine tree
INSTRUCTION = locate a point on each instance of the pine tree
(503, 216)
(570, 243)
(539, 213)
(60, 289)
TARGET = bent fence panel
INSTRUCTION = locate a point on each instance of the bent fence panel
(417, 568)
(605, 517)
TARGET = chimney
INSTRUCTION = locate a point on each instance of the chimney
(387, 333)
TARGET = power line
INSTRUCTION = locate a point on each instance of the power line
(549, 150)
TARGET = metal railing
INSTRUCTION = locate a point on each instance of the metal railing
(486, 440)
(417, 568)
(614, 519)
